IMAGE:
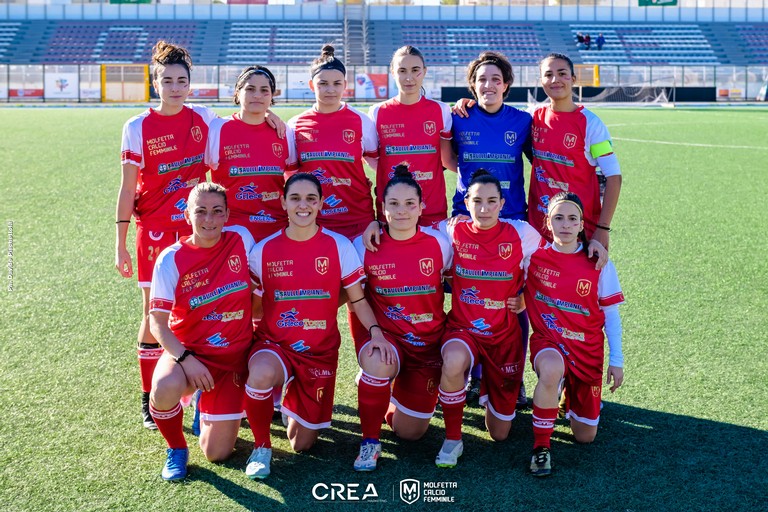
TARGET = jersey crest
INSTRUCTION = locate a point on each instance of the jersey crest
(321, 265)
(197, 133)
(430, 127)
(277, 149)
(569, 140)
(427, 266)
(510, 138)
(234, 263)
(505, 250)
(583, 287)
(349, 136)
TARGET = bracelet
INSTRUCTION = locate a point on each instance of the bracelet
(184, 355)
(122, 221)
(607, 228)
(371, 328)
(358, 300)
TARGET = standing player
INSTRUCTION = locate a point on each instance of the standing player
(405, 289)
(248, 158)
(414, 131)
(488, 260)
(200, 312)
(331, 140)
(570, 303)
(492, 136)
(569, 143)
(162, 158)
(300, 272)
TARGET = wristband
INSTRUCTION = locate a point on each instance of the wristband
(122, 221)
(184, 355)
(371, 328)
(600, 226)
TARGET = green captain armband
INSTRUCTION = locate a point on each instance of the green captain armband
(601, 148)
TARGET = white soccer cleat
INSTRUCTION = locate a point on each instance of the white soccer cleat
(370, 450)
(449, 454)
(258, 463)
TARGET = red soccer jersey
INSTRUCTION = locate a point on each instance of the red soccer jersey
(404, 285)
(250, 162)
(566, 146)
(169, 152)
(488, 268)
(300, 284)
(332, 147)
(564, 295)
(410, 134)
(206, 291)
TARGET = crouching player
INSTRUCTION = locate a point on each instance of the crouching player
(404, 287)
(200, 312)
(300, 272)
(570, 303)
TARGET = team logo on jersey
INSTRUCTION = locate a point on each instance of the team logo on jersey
(583, 287)
(217, 340)
(596, 391)
(427, 266)
(431, 387)
(510, 138)
(321, 265)
(430, 127)
(299, 346)
(505, 250)
(349, 136)
(481, 324)
(234, 263)
(320, 394)
(569, 140)
(277, 149)
(197, 133)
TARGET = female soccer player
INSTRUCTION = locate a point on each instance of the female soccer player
(413, 130)
(488, 261)
(162, 158)
(331, 140)
(405, 289)
(570, 304)
(569, 143)
(247, 157)
(492, 136)
(200, 312)
(300, 272)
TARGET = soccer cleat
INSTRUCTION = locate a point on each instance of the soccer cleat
(522, 400)
(258, 463)
(149, 423)
(449, 454)
(196, 415)
(370, 450)
(473, 390)
(541, 462)
(175, 464)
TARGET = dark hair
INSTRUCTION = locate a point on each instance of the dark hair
(246, 75)
(570, 197)
(558, 56)
(483, 177)
(303, 176)
(402, 176)
(497, 59)
(407, 50)
(326, 60)
(166, 54)
(207, 187)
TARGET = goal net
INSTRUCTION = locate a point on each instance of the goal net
(642, 95)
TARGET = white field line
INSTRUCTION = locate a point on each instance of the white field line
(691, 144)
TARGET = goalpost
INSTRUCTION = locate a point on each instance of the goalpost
(125, 83)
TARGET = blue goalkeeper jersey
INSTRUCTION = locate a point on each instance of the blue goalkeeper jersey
(496, 143)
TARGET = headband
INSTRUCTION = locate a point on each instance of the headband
(552, 205)
(256, 71)
(331, 63)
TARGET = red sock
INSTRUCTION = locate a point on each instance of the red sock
(169, 423)
(543, 425)
(258, 408)
(390, 415)
(149, 354)
(453, 411)
(373, 395)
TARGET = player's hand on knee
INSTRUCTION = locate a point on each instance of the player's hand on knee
(617, 375)
(197, 374)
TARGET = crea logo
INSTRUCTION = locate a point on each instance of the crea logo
(344, 492)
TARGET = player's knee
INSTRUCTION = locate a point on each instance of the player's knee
(499, 432)
(455, 363)
(410, 434)
(375, 367)
(215, 453)
(164, 394)
(302, 444)
(550, 376)
(585, 436)
(262, 376)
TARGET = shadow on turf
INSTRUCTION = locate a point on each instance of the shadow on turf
(641, 460)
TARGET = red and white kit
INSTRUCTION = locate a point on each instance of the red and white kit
(411, 134)
(207, 293)
(250, 161)
(300, 282)
(331, 147)
(404, 288)
(488, 268)
(169, 152)
(564, 296)
(566, 146)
